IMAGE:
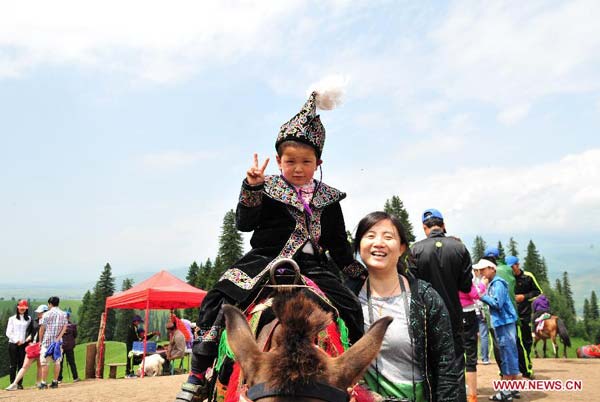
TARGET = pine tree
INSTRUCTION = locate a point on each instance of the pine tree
(543, 272)
(204, 272)
(230, 241)
(594, 312)
(587, 319)
(192, 274)
(512, 247)
(478, 248)
(124, 316)
(192, 279)
(230, 248)
(395, 206)
(559, 286)
(566, 287)
(533, 263)
(84, 326)
(105, 287)
(215, 273)
(501, 253)
(4, 356)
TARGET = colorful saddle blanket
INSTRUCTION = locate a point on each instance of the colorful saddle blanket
(540, 321)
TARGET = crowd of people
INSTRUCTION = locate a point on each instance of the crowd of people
(44, 340)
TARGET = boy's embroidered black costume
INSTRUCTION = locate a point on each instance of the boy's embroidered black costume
(281, 229)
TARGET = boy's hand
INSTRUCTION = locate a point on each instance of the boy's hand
(255, 175)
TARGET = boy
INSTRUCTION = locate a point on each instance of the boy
(292, 216)
(503, 319)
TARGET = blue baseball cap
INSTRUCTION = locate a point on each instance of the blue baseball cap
(431, 213)
(511, 260)
(137, 318)
(491, 251)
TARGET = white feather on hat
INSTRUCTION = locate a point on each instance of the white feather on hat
(330, 91)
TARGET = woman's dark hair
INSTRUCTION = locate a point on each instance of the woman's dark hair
(373, 218)
(25, 314)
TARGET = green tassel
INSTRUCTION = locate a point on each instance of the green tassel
(343, 333)
(224, 351)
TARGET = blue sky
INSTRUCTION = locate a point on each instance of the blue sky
(126, 128)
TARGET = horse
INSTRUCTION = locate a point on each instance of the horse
(552, 326)
(294, 368)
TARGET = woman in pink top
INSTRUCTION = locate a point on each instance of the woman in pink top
(468, 301)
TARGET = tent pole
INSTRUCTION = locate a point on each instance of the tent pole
(145, 333)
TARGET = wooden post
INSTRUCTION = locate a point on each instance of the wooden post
(90, 361)
(100, 347)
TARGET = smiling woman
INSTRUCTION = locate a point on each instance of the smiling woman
(413, 361)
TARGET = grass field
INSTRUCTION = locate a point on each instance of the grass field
(33, 303)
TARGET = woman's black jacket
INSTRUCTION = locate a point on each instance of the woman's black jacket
(432, 339)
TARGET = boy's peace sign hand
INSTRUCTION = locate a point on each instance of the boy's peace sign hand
(255, 175)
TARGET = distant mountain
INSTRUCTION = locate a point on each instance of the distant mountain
(73, 290)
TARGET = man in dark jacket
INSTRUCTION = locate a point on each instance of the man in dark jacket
(526, 290)
(445, 262)
(69, 349)
(132, 336)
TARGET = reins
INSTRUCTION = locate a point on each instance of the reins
(316, 390)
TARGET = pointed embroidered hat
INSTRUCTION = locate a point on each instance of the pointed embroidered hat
(306, 126)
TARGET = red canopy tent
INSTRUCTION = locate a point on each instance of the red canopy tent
(161, 291)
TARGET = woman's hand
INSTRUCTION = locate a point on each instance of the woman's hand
(256, 176)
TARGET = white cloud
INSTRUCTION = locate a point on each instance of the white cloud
(151, 39)
(528, 199)
(514, 53)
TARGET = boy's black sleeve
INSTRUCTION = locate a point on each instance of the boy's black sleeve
(335, 240)
(248, 210)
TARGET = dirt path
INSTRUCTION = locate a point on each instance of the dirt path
(164, 388)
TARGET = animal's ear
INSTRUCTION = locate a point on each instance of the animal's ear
(241, 341)
(348, 367)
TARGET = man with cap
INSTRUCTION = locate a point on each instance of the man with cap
(445, 262)
(526, 290)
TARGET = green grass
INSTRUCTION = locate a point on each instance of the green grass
(33, 303)
(115, 353)
(571, 352)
